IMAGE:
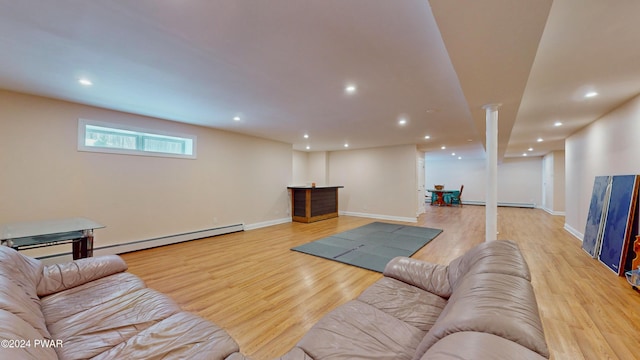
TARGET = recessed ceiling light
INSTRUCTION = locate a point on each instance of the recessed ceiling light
(590, 94)
(402, 122)
(308, 147)
(350, 89)
(530, 149)
(427, 137)
(85, 82)
(557, 123)
(469, 140)
(524, 154)
(453, 154)
(306, 136)
(459, 157)
(443, 147)
(346, 145)
(236, 118)
(540, 140)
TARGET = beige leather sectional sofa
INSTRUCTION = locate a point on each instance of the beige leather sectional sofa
(480, 306)
(93, 309)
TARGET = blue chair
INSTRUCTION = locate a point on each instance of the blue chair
(455, 198)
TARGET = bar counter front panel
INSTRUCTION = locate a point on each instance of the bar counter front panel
(311, 204)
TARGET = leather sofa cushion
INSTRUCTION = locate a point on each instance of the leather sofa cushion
(95, 309)
(23, 270)
(357, 330)
(410, 304)
(295, 354)
(15, 300)
(499, 256)
(199, 339)
(112, 320)
(470, 345)
(19, 277)
(12, 327)
(498, 304)
(82, 299)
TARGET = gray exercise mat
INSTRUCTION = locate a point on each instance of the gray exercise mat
(371, 246)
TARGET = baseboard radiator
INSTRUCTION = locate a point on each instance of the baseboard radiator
(503, 204)
(149, 243)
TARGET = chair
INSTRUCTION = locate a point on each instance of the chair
(455, 198)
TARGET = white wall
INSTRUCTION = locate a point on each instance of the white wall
(235, 179)
(519, 179)
(608, 146)
(553, 182)
(453, 173)
(420, 182)
(318, 168)
(559, 179)
(380, 182)
(310, 167)
(300, 160)
(547, 182)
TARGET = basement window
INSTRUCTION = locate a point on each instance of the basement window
(97, 136)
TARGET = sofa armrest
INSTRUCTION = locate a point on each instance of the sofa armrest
(64, 276)
(430, 277)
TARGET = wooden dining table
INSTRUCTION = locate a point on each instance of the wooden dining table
(439, 196)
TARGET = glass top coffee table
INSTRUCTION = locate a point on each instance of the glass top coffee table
(35, 234)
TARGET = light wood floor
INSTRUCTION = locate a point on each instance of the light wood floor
(267, 296)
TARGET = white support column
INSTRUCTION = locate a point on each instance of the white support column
(491, 228)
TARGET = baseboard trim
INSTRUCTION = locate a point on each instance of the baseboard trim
(504, 204)
(577, 234)
(379, 216)
(555, 213)
(147, 243)
(267, 223)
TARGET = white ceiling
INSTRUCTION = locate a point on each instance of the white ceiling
(282, 65)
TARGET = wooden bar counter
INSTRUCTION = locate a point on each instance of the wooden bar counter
(313, 203)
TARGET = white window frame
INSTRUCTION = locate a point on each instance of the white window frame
(82, 126)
